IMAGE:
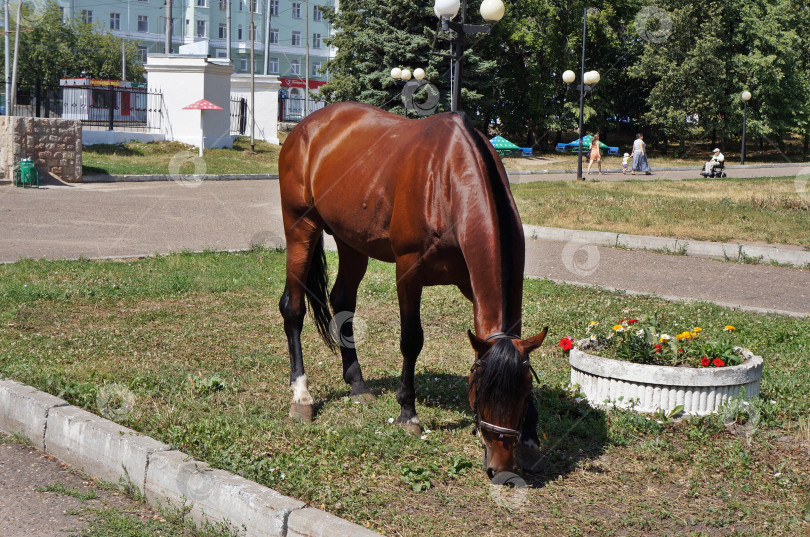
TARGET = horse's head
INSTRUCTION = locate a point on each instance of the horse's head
(499, 387)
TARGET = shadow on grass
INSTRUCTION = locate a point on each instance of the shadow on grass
(119, 150)
(570, 431)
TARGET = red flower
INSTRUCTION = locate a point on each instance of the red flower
(680, 351)
(657, 348)
(705, 362)
(566, 344)
(718, 362)
(632, 321)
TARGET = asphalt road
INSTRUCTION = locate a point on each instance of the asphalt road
(131, 219)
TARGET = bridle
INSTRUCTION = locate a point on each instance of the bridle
(480, 424)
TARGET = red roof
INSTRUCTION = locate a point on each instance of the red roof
(202, 104)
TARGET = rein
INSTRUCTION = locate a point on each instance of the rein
(497, 429)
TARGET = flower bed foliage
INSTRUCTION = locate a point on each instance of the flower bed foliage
(645, 341)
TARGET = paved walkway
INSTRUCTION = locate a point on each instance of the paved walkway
(130, 219)
(27, 511)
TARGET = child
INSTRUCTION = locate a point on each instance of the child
(625, 158)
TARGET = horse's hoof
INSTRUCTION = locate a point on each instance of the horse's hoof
(302, 412)
(363, 398)
(410, 427)
(528, 458)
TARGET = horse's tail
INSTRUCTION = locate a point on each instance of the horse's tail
(318, 294)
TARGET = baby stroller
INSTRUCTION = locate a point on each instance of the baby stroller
(718, 170)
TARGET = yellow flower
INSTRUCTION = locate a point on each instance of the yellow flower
(617, 327)
(664, 338)
(729, 328)
(698, 330)
(592, 323)
(683, 335)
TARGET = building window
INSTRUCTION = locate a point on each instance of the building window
(222, 53)
(115, 21)
(143, 1)
(142, 54)
(316, 67)
(175, 22)
(272, 64)
(223, 5)
(295, 67)
(317, 14)
(240, 5)
(296, 39)
(243, 63)
(143, 23)
(62, 13)
(223, 30)
(200, 3)
(255, 6)
(87, 16)
(296, 10)
(200, 28)
(239, 32)
(273, 36)
(274, 8)
(316, 40)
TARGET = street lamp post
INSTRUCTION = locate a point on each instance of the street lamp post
(587, 81)
(746, 96)
(491, 11)
(404, 75)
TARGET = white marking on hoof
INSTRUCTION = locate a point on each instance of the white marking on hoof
(300, 390)
(415, 420)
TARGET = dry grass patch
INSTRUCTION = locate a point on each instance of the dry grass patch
(767, 210)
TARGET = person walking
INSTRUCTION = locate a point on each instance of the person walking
(596, 154)
(640, 163)
(625, 159)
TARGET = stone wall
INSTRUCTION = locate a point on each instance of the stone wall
(55, 145)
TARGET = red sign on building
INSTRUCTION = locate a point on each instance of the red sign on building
(300, 83)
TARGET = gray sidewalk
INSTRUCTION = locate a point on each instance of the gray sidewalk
(134, 219)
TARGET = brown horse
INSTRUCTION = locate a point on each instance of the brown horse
(431, 196)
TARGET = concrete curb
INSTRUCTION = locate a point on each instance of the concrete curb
(720, 250)
(103, 178)
(167, 477)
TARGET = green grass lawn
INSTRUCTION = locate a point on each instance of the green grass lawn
(137, 158)
(768, 209)
(198, 341)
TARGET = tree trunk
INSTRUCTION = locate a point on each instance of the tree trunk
(666, 144)
(714, 138)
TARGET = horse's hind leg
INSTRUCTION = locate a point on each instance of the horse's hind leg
(302, 245)
(343, 297)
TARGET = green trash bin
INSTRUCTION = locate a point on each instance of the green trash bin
(27, 174)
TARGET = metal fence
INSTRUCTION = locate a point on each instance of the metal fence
(239, 116)
(98, 108)
(292, 110)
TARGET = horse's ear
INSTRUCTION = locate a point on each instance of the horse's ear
(480, 346)
(526, 346)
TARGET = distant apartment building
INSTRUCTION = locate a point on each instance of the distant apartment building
(294, 26)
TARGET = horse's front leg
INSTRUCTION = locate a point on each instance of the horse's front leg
(409, 291)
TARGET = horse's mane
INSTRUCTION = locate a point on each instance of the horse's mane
(500, 379)
(503, 207)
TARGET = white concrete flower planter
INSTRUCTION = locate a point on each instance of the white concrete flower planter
(649, 388)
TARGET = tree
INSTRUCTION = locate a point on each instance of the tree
(707, 54)
(55, 49)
